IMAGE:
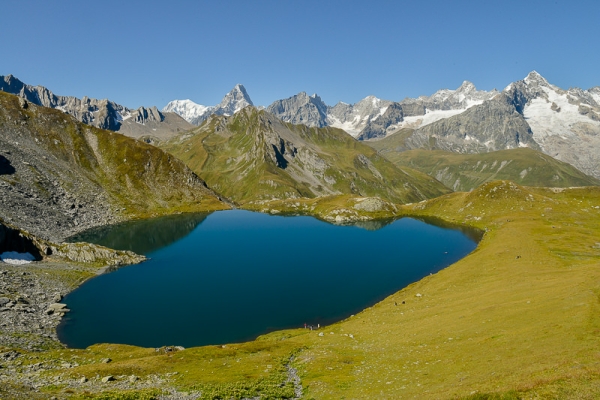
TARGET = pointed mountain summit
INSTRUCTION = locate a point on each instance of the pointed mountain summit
(234, 101)
(534, 78)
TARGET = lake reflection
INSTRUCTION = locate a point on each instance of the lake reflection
(143, 236)
(237, 274)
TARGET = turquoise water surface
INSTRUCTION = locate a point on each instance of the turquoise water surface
(233, 275)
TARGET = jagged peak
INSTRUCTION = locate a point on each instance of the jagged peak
(467, 86)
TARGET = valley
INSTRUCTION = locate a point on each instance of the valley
(516, 318)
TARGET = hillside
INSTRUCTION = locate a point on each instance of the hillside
(252, 156)
(464, 172)
(59, 176)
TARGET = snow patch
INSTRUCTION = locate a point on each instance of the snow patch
(187, 109)
(12, 257)
(546, 122)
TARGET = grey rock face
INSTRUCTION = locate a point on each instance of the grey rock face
(493, 125)
(379, 126)
(301, 109)
(372, 117)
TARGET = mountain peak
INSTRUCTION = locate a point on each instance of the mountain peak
(467, 87)
(234, 101)
(535, 77)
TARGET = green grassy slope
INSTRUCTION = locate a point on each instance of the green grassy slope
(252, 157)
(137, 179)
(464, 172)
(517, 318)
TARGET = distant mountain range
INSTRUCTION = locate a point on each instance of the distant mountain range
(369, 118)
(533, 113)
(529, 113)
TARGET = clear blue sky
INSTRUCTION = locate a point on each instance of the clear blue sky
(150, 52)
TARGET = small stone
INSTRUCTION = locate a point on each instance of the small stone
(83, 380)
(418, 295)
(105, 360)
(320, 333)
(108, 378)
(56, 308)
(133, 378)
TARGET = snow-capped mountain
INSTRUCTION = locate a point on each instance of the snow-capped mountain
(354, 118)
(187, 109)
(442, 104)
(373, 117)
(194, 113)
(565, 123)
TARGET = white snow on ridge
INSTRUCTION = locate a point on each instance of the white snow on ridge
(351, 127)
(430, 117)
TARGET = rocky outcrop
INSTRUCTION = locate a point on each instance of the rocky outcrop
(380, 125)
(301, 109)
(91, 253)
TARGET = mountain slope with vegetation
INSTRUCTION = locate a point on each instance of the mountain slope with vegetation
(252, 156)
(465, 172)
(59, 176)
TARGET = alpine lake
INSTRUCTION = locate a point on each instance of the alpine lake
(231, 276)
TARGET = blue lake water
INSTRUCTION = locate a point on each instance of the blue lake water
(233, 275)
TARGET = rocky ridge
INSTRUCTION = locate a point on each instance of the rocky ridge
(373, 117)
(103, 114)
